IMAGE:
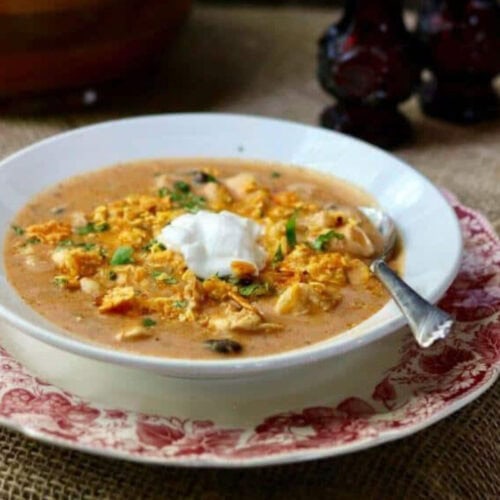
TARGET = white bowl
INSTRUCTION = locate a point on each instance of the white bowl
(428, 226)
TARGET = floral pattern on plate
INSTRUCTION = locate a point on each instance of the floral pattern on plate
(422, 387)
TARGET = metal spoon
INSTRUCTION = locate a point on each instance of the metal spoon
(428, 323)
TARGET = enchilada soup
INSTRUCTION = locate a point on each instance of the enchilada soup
(196, 258)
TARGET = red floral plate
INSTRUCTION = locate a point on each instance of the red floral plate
(399, 390)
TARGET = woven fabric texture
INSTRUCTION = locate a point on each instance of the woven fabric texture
(262, 61)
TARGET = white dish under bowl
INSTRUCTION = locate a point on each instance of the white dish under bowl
(427, 224)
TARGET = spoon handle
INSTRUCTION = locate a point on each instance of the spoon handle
(427, 322)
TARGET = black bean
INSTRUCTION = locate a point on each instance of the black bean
(224, 346)
(202, 177)
(245, 281)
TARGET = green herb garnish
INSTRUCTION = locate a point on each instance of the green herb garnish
(154, 245)
(85, 246)
(65, 244)
(32, 241)
(322, 240)
(148, 322)
(291, 230)
(60, 281)
(182, 186)
(92, 227)
(182, 197)
(229, 279)
(189, 201)
(18, 230)
(275, 175)
(181, 304)
(122, 256)
(255, 289)
(278, 256)
(164, 277)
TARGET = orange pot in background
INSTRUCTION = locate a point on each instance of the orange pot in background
(52, 44)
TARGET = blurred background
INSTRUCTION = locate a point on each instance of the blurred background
(51, 45)
(140, 56)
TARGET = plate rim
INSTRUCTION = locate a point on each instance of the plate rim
(283, 458)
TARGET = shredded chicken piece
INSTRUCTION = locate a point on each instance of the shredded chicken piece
(302, 298)
(90, 286)
(244, 320)
(357, 241)
(78, 219)
(217, 195)
(134, 333)
(241, 184)
(358, 273)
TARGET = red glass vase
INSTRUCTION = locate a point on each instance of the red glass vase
(370, 63)
(461, 39)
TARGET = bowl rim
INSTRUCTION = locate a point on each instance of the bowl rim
(198, 368)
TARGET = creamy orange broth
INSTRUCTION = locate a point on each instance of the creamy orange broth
(31, 268)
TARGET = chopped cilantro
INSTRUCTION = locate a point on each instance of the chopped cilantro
(322, 240)
(164, 277)
(290, 230)
(195, 203)
(181, 304)
(229, 279)
(86, 246)
(17, 229)
(278, 255)
(92, 227)
(60, 281)
(154, 245)
(32, 241)
(122, 255)
(65, 244)
(182, 186)
(182, 197)
(148, 322)
(275, 175)
(255, 289)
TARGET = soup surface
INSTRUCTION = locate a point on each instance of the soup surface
(85, 255)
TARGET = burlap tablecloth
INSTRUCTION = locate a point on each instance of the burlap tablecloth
(262, 61)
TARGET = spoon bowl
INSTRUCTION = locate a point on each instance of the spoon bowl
(427, 322)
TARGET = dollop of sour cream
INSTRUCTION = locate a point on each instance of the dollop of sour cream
(210, 242)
